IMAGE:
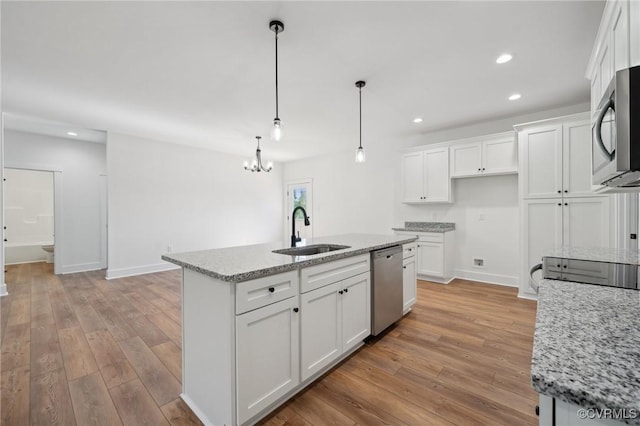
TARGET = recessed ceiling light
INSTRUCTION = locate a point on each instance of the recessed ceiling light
(417, 120)
(72, 133)
(515, 97)
(504, 58)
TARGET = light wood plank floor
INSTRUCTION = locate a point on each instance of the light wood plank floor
(77, 349)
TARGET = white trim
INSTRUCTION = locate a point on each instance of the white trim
(546, 122)
(433, 279)
(3, 290)
(140, 270)
(28, 261)
(455, 142)
(527, 296)
(32, 166)
(79, 267)
(483, 277)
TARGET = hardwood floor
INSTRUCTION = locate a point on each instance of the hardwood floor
(77, 349)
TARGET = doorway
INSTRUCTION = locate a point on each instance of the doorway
(29, 211)
(299, 193)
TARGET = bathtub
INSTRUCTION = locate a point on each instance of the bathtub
(15, 253)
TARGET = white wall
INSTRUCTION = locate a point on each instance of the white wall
(163, 194)
(81, 164)
(351, 197)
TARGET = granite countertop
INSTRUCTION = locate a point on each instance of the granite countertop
(600, 254)
(586, 349)
(237, 264)
(427, 227)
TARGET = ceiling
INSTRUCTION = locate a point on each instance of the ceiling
(202, 73)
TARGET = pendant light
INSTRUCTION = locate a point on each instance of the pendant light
(276, 132)
(256, 164)
(360, 157)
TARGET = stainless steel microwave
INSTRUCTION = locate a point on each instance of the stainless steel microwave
(615, 141)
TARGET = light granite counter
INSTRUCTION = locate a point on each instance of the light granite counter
(599, 254)
(237, 264)
(586, 349)
(427, 227)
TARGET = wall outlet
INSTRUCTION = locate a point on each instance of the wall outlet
(169, 248)
(478, 262)
(480, 216)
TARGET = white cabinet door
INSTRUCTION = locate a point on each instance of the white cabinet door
(576, 148)
(409, 283)
(356, 305)
(436, 171)
(466, 160)
(267, 351)
(321, 328)
(430, 258)
(541, 152)
(620, 36)
(567, 415)
(543, 232)
(413, 177)
(500, 156)
(586, 222)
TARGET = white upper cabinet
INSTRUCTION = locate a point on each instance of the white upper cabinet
(426, 176)
(556, 160)
(466, 160)
(491, 156)
(617, 46)
(541, 152)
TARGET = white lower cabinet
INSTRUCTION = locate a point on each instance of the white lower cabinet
(409, 278)
(248, 346)
(552, 223)
(267, 348)
(434, 255)
(334, 319)
(554, 412)
(430, 258)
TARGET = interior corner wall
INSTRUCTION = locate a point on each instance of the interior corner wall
(349, 197)
(167, 196)
(81, 163)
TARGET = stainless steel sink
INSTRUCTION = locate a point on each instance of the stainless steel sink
(310, 250)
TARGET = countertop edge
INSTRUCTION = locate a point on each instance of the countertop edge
(251, 275)
(438, 230)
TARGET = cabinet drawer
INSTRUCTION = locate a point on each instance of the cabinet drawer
(264, 291)
(409, 250)
(431, 237)
(327, 273)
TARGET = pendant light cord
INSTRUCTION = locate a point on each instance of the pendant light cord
(360, 103)
(276, 31)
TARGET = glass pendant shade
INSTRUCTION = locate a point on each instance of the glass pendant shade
(360, 157)
(276, 130)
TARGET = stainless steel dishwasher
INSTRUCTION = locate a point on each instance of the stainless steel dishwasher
(386, 288)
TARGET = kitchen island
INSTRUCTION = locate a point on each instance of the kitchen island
(586, 353)
(259, 326)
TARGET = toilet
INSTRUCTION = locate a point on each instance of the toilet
(49, 250)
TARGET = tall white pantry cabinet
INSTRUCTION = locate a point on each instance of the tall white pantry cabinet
(558, 206)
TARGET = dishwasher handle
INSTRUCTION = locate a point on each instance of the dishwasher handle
(387, 252)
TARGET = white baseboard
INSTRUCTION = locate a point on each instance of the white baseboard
(3, 290)
(139, 270)
(80, 267)
(483, 277)
(433, 279)
(527, 296)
